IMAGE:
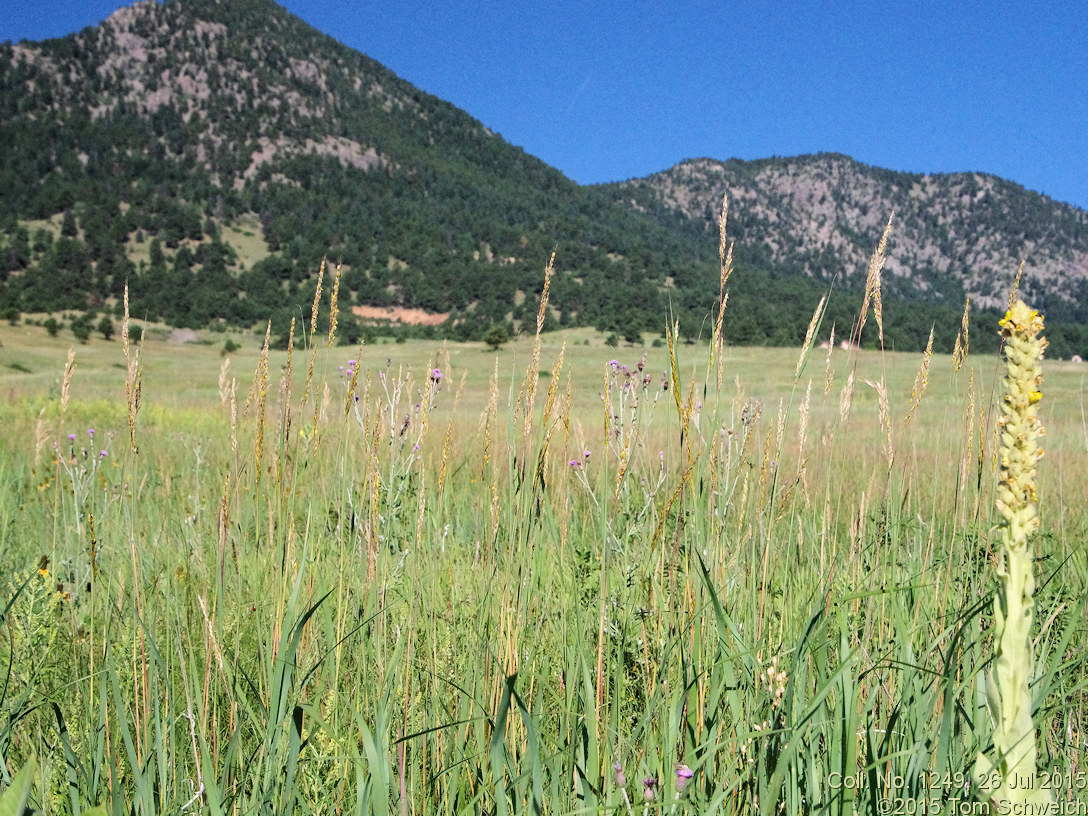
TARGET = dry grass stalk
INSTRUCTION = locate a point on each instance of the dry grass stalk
(969, 448)
(313, 346)
(564, 485)
(846, 397)
(234, 418)
(673, 337)
(741, 516)
(351, 397)
(285, 394)
(133, 375)
(542, 312)
(66, 383)
(812, 326)
(421, 508)
(722, 218)
(260, 383)
(41, 435)
(487, 468)
(447, 442)
(766, 465)
(222, 526)
(667, 510)
(884, 410)
(872, 288)
(210, 627)
(685, 417)
(94, 544)
(981, 463)
(921, 380)
(780, 428)
(546, 422)
(224, 382)
(959, 352)
(829, 373)
(802, 437)
(333, 312)
(317, 301)
(725, 258)
(532, 374)
(1016, 284)
(857, 526)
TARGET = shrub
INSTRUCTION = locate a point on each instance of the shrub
(495, 337)
(82, 327)
(105, 327)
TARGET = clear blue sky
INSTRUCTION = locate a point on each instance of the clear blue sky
(606, 91)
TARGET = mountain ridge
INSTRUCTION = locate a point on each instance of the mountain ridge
(156, 134)
(801, 200)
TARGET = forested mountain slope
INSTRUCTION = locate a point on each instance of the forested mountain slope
(210, 153)
(170, 121)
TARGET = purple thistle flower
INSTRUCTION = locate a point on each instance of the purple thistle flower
(587, 454)
(648, 786)
(90, 432)
(621, 780)
(71, 437)
(101, 455)
(683, 774)
(436, 375)
(574, 463)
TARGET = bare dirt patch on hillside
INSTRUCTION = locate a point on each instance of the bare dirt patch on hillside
(181, 336)
(398, 314)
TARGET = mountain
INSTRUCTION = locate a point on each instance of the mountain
(229, 147)
(819, 216)
(211, 153)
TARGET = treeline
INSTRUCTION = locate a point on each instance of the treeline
(197, 285)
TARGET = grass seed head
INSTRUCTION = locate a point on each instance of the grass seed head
(829, 373)
(813, 324)
(921, 380)
(333, 305)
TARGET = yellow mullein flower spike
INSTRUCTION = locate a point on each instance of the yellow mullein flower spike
(1009, 778)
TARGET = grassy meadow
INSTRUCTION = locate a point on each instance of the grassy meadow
(557, 578)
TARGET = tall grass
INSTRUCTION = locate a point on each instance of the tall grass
(564, 584)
